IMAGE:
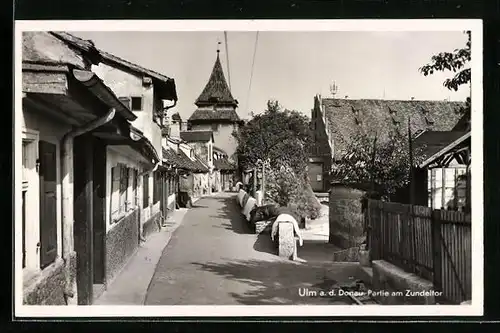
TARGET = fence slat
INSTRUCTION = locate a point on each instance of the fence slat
(434, 244)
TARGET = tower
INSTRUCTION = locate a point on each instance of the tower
(216, 111)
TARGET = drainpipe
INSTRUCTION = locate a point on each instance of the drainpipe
(67, 196)
(165, 109)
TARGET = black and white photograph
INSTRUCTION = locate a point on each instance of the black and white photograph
(248, 168)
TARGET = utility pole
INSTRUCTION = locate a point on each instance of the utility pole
(410, 146)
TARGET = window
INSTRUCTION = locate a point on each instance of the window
(215, 127)
(136, 103)
(133, 103)
(156, 187)
(120, 203)
(447, 188)
(145, 191)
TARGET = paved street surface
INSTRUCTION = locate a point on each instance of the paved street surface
(213, 258)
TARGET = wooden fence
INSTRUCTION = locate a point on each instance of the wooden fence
(434, 244)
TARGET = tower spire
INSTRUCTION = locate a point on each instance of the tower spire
(218, 49)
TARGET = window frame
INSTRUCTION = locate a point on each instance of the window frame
(121, 193)
(132, 97)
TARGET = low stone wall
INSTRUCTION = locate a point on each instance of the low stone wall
(285, 238)
(48, 288)
(121, 242)
(413, 289)
(152, 225)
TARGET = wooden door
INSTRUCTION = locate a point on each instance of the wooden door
(316, 176)
(48, 203)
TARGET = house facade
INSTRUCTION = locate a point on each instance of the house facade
(120, 185)
(70, 119)
(338, 122)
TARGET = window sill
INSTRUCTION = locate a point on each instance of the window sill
(31, 276)
(117, 219)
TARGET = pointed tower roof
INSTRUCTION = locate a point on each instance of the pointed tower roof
(217, 89)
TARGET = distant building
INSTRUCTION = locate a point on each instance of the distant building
(216, 111)
(337, 122)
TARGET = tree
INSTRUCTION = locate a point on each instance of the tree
(455, 61)
(280, 136)
(376, 164)
(280, 139)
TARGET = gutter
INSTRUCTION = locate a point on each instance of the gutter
(103, 92)
(67, 196)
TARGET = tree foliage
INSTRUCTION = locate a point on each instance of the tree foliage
(381, 165)
(280, 139)
(280, 136)
(455, 61)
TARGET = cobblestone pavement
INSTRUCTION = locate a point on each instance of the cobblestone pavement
(214, 258)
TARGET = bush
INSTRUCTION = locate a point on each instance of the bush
(285, 188)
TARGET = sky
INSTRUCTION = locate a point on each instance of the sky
(291, 67)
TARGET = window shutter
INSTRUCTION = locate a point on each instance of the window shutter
(145, 191)
(115, 194)
(127, 101)
(48, 203)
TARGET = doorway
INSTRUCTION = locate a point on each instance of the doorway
(315, 171)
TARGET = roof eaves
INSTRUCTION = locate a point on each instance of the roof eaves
(103, 92)
(445, 150)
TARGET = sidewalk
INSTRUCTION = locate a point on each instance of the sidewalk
(131, 285)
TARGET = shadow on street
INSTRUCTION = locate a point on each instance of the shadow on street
(278, 282)
(231, 213)
(265, 244)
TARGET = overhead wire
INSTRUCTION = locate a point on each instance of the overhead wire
(252, 69)
(227, 60)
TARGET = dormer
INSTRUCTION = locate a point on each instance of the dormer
(428, 118)
(394, 116)
(357, 117)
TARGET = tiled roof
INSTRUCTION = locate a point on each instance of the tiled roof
(229, 115)
(347, 119)
(165, 83)
(216, 90)
(196, 136)
(42, 47)
(223, 164)
(433, 141)
(181, 161)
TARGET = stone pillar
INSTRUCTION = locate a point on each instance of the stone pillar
(346, 220)
(286, 239)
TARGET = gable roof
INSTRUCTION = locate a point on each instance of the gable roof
(432, 142)
(196, 136)
(347, 118)
(165, 84)
(216, 89)
(41, 47)
(219, 115)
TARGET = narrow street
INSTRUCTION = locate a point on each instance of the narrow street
(213, 258)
